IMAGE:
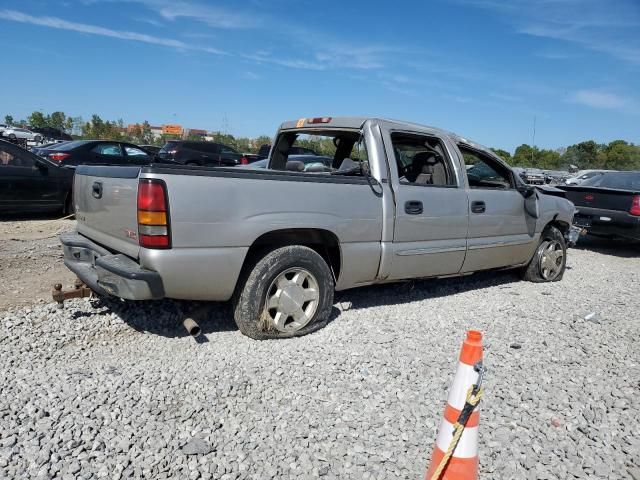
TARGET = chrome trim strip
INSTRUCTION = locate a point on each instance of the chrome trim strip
(427, 251)
(499, 244)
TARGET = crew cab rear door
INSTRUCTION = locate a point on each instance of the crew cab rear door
(431, 221)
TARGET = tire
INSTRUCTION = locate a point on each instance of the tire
(286, 277)
(12, 136)
(550, 259)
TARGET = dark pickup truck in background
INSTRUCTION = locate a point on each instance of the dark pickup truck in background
(608, 204)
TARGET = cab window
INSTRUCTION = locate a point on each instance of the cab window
(484, 171)
(13, 157)
(422, 160)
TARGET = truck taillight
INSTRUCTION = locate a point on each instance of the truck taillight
(58, 157)
(319, 120)
(635, 206)
(153, 214)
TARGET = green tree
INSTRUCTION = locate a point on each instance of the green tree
(8, 120)
(583, 155)
(620, 155)
(57, 120)
(37, 120)
(506, 156)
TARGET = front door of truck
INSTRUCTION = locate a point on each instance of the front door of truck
(501, 221)
(432, 217)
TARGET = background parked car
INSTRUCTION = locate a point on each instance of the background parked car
(22, 133)
(294, 150)
(97, 152)
(150, 149)
(50, 133)
(200, 153)
(300, 163)
(584, 175)
(29, 183)
(608, 204)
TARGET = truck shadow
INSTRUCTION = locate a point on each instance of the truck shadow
(164, 317)
(416, 290)
(608, 246)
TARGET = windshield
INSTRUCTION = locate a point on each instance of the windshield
(617, 180)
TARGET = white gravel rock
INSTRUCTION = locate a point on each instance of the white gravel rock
(111, 389)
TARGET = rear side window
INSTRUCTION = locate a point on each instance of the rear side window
(110, 149)
(617, 180)
(168, 146)
(225, 149)
(135, 152)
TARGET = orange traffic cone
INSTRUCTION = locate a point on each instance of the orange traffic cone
(455, 455)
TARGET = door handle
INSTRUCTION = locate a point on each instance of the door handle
(478, 207)
(413, 207)
(96, 190)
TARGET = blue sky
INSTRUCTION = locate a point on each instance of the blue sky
(481, 68)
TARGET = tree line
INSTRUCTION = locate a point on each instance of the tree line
(616, 155)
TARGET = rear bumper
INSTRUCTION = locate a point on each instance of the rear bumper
(109, 274)
(612, 223)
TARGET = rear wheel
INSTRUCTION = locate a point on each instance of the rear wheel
(12, 136)
(288, 293)
(550, 260)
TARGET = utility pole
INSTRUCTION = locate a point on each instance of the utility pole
(533, 141)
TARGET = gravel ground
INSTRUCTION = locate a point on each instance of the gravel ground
(31, 259)
(106, 389)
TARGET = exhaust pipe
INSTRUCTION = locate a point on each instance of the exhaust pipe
(192, 327)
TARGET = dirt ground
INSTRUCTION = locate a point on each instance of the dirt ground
(31, 260)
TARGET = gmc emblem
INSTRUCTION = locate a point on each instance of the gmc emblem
(130, 234)
(588, 197)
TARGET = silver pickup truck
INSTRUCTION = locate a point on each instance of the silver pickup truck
(397, 201)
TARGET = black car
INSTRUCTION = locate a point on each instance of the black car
(294, 150)
(608, 204)
(151, 149)
(52, 133)
(97, 152)
(29, 183)
(200, 153)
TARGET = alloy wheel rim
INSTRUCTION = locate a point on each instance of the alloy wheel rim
(292, 300)
(551, 259)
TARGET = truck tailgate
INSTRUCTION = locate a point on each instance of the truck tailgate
(105, 198)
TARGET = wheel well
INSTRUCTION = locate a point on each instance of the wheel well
(559, 224)
(323, 242)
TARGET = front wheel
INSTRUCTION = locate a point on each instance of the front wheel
(288, 293)
(550, 260)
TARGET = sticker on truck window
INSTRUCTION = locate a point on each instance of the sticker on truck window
(300, 122)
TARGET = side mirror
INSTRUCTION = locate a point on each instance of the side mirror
(526, 190)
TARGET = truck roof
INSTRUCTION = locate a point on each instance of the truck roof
(357, 123)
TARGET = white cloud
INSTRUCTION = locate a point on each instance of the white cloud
(609, 27)
(598, 99)
(61, 24)
(251, 75)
